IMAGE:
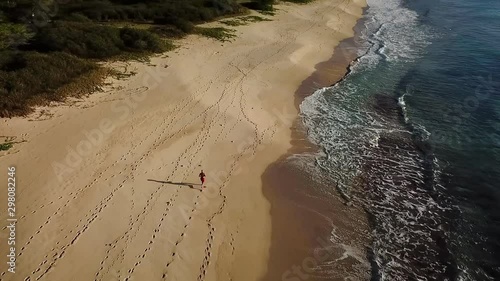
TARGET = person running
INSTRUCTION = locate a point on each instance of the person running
(202, 178)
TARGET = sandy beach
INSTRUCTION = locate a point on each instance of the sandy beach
(107, 187)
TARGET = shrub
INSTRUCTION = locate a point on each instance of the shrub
(207, 14)
(182, 24)
(77, 17)
(83, 40)
(94, 41)
(298, 1)
(13, 35)
(263, 5)
(140, 40)
(31, 78)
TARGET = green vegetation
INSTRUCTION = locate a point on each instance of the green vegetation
(262, 5)
(268, 13)
(218, 33)
(6, 146)
(94, 41)
(253, 19)
(7, 142)
(49, 49)
(33, 78)
(12, 34)
(299, 1)
(243, 20)
(233, 22)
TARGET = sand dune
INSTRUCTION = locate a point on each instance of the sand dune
(107, 187)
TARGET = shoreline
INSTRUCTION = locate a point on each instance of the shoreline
(108, 185)
(301, 220)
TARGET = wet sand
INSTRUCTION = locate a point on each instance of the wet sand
(304, 211)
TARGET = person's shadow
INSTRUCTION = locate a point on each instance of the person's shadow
(191, 185)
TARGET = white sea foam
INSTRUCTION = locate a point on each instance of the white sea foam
(397, 35)
(360, 139)
(402, 104)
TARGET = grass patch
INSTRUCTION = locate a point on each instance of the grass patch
(119, 75)
(233, 22)
(7, 142)
(167, 31)
(268, 13)
(218, 33)
(243, 20)
(6, 146)
(166, 45)
(299, 1)
(28, 79)
(83, 85)
(254, 19)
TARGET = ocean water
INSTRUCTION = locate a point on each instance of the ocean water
(412, 134)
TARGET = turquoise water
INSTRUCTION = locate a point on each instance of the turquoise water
(413, 134)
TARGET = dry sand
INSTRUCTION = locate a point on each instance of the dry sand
(107, 187)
